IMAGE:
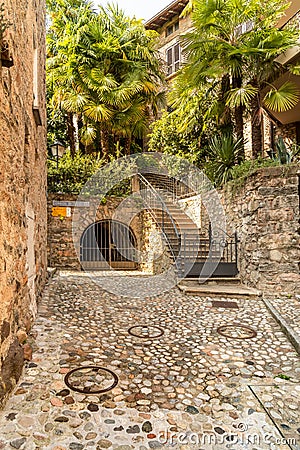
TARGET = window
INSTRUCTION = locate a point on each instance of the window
(172, 28)
(173, 59)
(169, 30)
(36, 103)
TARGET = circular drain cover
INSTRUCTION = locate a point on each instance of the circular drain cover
(237, 331)
(146, 331)
(91, 380)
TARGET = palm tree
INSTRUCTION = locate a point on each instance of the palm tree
(68, 18)
(107, 71)
(232, 49)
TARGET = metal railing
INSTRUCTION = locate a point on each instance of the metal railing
(162, 216)
(187, 249)
(178, 189)
(228, 243)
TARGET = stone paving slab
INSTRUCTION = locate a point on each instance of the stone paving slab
(282, 402)
(289, 309)
(233, 290)
(190, 385)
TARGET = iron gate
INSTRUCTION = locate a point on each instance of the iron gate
(108, 244)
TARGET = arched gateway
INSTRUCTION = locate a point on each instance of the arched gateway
(106, 244)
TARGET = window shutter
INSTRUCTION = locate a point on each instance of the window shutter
(170, 60)
(177, 57)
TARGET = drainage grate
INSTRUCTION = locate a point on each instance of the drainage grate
(221, 304)
(237, 331)
(91, 380)
(146, 331)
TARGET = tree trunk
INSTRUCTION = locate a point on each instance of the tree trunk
(225, 122)
(127, 145)
(71, 133)
(104, 139)
(80, 126)
(256, 130)
(238, 117)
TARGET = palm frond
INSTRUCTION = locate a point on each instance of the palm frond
(283, 98)
(97, 112)
(241, 96)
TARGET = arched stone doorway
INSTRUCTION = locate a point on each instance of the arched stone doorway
(108, 244)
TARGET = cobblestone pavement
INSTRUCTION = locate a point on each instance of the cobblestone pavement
(289, 308)
(188, 388)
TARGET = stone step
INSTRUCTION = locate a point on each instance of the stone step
(219, 290)
(215, 280)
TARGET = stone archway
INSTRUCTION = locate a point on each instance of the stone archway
(108, 244)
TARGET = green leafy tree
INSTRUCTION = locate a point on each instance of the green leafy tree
(105, 70)
(72, 172)
(232, 49)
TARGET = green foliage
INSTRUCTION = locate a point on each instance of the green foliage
(4, 23)
(166, 137)
(283, 376)
(224, 155)
(231, 56)
(103, 67)
(283, 98)
(242, 171)
(56, 124)
(72, 173)
(283, 154)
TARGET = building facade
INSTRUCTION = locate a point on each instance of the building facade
(23, 217)
(286, 123)
(170, 26)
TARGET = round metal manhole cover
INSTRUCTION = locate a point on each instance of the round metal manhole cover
(91, 380)
(237, 331)
(146, 331)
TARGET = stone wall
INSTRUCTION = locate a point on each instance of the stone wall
(62, 249)
(23, 182)
(156, 259)
(193, 209)
(265, 214)
(264, 210)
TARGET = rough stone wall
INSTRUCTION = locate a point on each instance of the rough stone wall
(156, 257)
(62, 253)
(193, 208)
(61, 249)
(23, 214)
(265, 213)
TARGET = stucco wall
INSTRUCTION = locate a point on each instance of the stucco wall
(23, 183)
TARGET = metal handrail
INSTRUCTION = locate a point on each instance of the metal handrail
(164, 209)
(226, 245)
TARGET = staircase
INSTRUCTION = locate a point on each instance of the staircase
(188, 246)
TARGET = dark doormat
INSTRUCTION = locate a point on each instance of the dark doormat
(221, 304)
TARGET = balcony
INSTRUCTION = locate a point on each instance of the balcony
(294, 20)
